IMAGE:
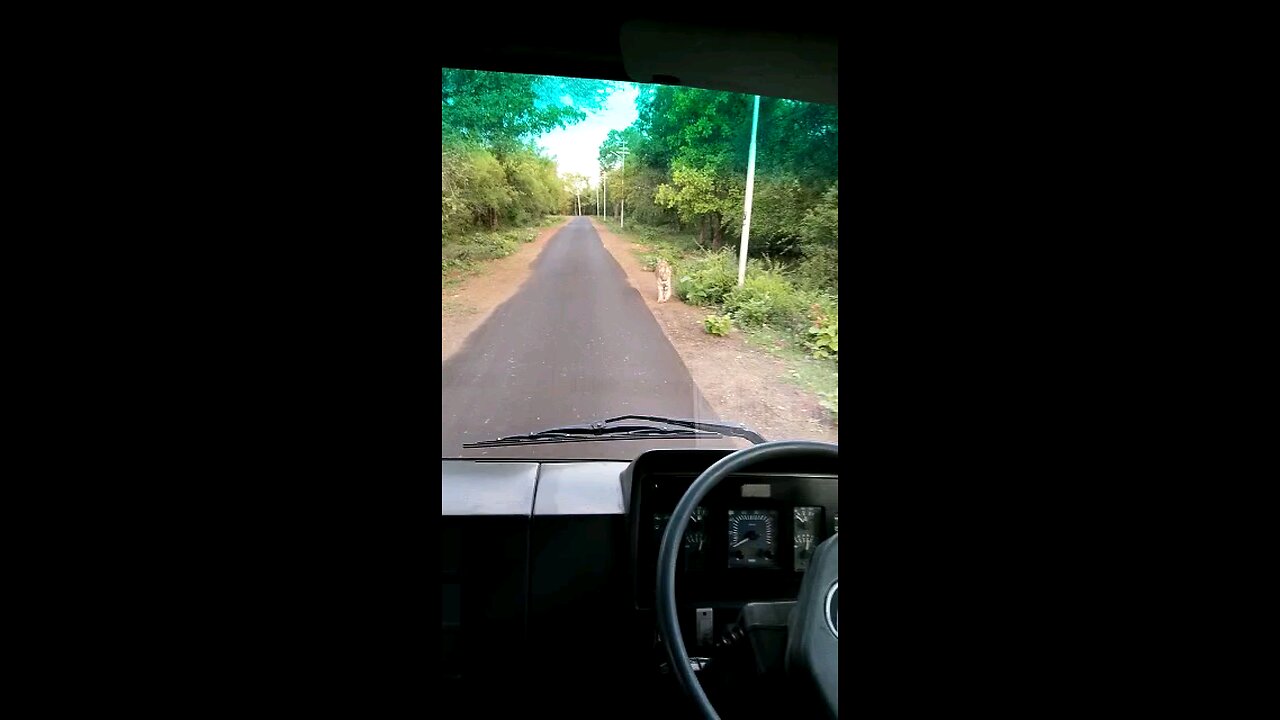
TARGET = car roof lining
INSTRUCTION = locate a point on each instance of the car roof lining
(780, 58)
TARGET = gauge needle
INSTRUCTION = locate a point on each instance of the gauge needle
(740, 542)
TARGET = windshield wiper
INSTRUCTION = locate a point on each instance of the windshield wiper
(607, 430)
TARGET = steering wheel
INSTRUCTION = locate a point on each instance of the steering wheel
(813, 640)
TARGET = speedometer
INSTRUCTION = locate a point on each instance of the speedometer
(753, 538)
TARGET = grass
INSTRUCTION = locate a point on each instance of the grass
(464, 255)
(658, 242)
(764, 308)
(819, 376)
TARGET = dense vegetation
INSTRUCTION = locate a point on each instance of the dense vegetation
(686, 169)
(493, 181)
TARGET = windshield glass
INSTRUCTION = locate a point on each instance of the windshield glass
(613, 249)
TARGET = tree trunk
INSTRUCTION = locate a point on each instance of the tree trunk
(717, 237)
(702, 230)
(494, 215)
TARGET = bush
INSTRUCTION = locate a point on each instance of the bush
(766, 298)
(778, 213)
(819, 271)
(706, 280)
(718, 324)
(649, 260)
(824, 333)
(821, 224)
(463, 251)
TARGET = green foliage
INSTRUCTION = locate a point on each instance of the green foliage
(778, 209)
(649, 260)
(694, 192)
(706, 280)
(463, 252)
(480, 189)
(491, 174)
(504, 111)
(718, 324)
(473, 188)
(819, 271)
(639, 185)
(821, 225)
(534, 187)
(824, 334)
(765, 298)
(802, 141)
(614, 145)
(825, 341)
(660, 242)
(699, 140)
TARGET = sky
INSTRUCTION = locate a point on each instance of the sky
(576, 148)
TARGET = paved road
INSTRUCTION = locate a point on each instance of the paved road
(574, 344)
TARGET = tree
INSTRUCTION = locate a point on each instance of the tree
(504, 111)
(821, 225)
(699, 193)
(486, 190)
(802, 141)
(701, 138)
(616, 144)
(576, 186)
(491, 171)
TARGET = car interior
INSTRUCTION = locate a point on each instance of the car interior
(686, 582)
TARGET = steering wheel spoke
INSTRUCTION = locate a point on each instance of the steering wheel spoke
(813, 634)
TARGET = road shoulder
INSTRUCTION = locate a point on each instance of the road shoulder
(464, 306)
(741, 382)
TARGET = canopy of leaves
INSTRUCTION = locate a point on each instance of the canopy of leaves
(695, 191)
(506, 110)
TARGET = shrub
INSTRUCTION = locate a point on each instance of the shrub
(706, 280)
(649, 260)
(778, 213)
(819, 271)
(824, 333)
(718, 324)
(463, 251)
(766, 298)
(821, 224)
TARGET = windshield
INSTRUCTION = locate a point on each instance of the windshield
(612, 249)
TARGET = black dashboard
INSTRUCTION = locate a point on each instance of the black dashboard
(548, 563)
(749, 539)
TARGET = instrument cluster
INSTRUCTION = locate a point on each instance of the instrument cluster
(751, 538)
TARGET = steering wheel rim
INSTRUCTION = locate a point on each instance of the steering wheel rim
(665, 600)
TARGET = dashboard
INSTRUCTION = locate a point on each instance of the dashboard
(751, 538)
(546, 563)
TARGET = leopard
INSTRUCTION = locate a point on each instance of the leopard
(663, 271)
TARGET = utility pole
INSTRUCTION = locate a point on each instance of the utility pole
(751, 186)
(622, 220)
(604, 178)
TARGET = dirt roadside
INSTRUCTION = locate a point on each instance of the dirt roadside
(743, 383)
(466, 305)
